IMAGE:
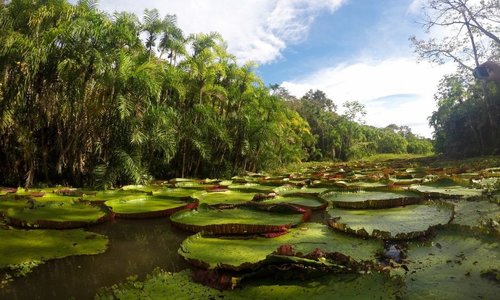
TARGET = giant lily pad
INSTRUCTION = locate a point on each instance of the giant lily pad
(453, 265)
(21, 249)
(234, 221)
(163, 284)
(148, 206)
(11, 201)
(174, 193)
(392, 223)
(301, 200)
(103, 196)
(252, 188)
(477, 215)
(371, 199)
(58, 215)
(225, 197)
(446, 188)
(238, 254)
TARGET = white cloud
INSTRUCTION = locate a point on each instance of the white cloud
(257, 30)
(394, 90)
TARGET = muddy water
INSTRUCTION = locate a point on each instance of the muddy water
(136, 247)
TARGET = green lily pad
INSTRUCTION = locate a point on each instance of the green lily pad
(225, 197)
(163, 284)
(28, 248)
(11, 201)
(174, 193)
(404, 222)
(58, 215)
(234, 221)
(239, 254)
(148, 206)
(361, 185)
(450, 267)
(252, 188)
(371, 199)
(446, 188)
(103, 196)
(301, 200)
(477, 215)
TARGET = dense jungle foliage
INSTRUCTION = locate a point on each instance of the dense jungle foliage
(88, 98)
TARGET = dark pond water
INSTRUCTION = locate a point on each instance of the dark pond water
(136, 247)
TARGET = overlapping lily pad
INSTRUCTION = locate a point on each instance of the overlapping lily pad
(234, 221)
(24, 249)
(404, 222)
(252, 188)
(174, 193)
(371, 199)
(453, 265)
(58, 215)
(239, 254)
(148, 206)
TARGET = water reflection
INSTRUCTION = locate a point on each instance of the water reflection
(136, 248)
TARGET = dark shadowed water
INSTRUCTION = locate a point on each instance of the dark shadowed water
(136, 247)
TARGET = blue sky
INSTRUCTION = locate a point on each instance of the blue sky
(350, 49)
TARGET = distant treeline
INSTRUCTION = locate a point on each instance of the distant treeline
(88, 98)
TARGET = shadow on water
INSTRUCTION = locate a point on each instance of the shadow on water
(136, 247)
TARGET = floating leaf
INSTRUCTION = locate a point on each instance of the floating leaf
(225, 197)
(58, 215)
(301, 200)
(234, 221)
(238, 254)
(148, 207)
(392, 223)
(450, 265)
(371, 199)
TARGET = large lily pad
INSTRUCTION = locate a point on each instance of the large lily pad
(453, 265)
(234, 221)
(479, 215)
(301, 200)
(392, 223)
(252, 188)
(446, 188)
(148, 207)
(103, 196)
(174, 193)
(225, 197)
(238, 254)
(371, 199)
(161, 285)
(22, 249)
(11, 201)
(58, 215)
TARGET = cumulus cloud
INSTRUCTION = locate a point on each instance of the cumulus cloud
(394, 90)
(257, 30)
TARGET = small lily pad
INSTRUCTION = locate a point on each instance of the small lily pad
(371, 199)
(239, 254)
(234, 221)
(404, 222)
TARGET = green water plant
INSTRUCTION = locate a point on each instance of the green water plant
(371, 199)
(148, 206)
(404, 222)
(239, 220)
(243, 253)
(58, 215)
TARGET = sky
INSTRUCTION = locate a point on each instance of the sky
(350, 49)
